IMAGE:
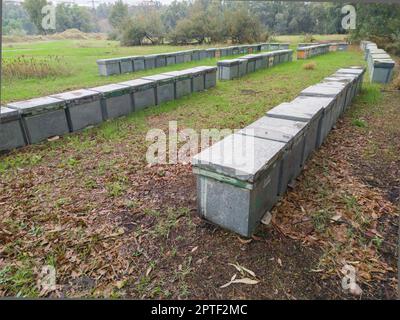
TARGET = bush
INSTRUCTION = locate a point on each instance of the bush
(308, 38)
(24, 68)
(310, 66)
(133, 33)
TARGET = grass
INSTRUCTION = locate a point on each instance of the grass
(80, 56)
(316, 37)
(98, 172)
(309, 66)
(232, 104)
(21, 67)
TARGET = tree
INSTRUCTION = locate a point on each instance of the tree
(242, 27)
(34, 10)
(133, 31)
(73, 16)
(176, 11)
(118, 14)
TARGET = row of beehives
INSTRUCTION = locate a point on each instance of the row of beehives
(380, 64)
(333, 46)
(241, 177)
(30, 121)
(112, 66)
(236, 68)
(312, 51)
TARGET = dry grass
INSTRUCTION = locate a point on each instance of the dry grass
(30, 67)
(69, 34)
(396, 83)
(310, 66)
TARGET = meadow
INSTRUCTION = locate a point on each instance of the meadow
(71, 64)
(89, 205)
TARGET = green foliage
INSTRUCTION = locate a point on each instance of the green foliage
(34, 10)
(73, 17)
(15, 20)
(242, 27)
(142, 27)
(118, 14)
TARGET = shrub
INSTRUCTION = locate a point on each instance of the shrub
(308, 38)
(310, 66)
(32, 67)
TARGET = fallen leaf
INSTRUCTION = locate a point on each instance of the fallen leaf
(244, 241)
(194, 249)
(245, 281)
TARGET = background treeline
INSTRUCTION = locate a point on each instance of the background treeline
(199, 21)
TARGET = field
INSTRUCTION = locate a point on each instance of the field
(113, 226)
(77, 61)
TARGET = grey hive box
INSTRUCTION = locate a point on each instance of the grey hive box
(203, 54)
(195, 55)
(235, 51)
(210, 76)
(12, 133)
(224, 52)
(210, 53)
(260, 62)
(42, 117)
(357, 70)
(179, 57)
(382, 70)
(83, 108)
(143, 92)
(284, 46)
(368, 47)
(350, 81)
(150, 61)
(170, 58)
(313, 104)
(138, 63)
(274, 46)
(343, 89)
(351, 78)
(116, 100)
(108, 67)
(165, 87)
(183, 82)
(275, 55)
(187, 56)
(198, 79)
(251, 62)
(237, 181)
(301, 110)
(228, 69)
(292, 133)
(342, 46)
(126, 64)
(320, 90)
(242, 67)
(161, 60)
(269, 59)
(376, 56)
